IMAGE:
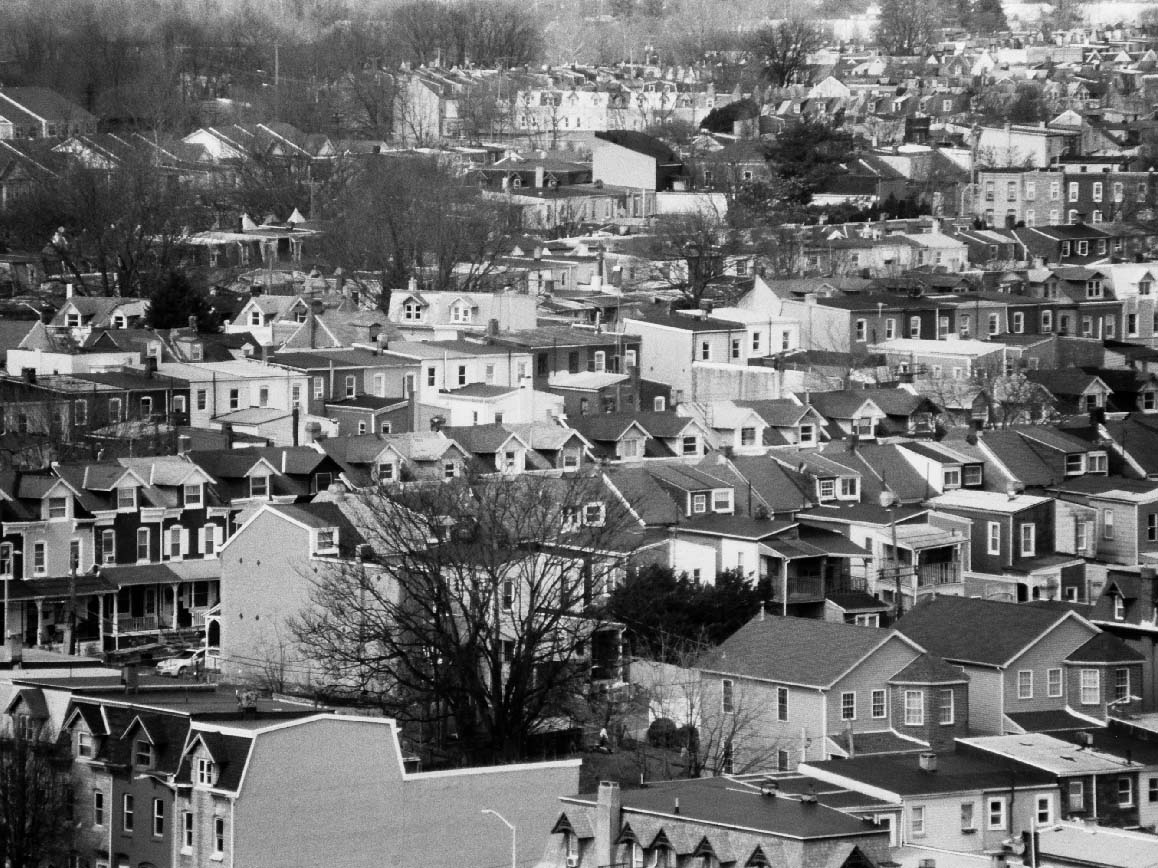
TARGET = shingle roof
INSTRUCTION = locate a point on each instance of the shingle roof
(929, 669)
(976, 631)
(956, 772)
(794, 650)
(1105, 648)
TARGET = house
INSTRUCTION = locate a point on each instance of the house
(1115, 518)
(817, 689)
(1094, 784)
(732, 427)
(492, 446)
(719, 819)
(1031, 667)
(632, 436)
(848, 412)
(941, 359)
(80, 316)
(40, 113)
(449, 315)
(1075, 244)
(1127, 607)
(1013, 535)
(389, 458)
(625, 158)
(789, 421)
(955, 800)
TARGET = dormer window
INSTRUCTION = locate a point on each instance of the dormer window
(807, 435)
(386, 472)
(119, 321)
(127, 498)
(58, 507)
(327, 540)
(849, 488)
(255, 318)
(1075, 464)
(412, 310)
(972, 475)
(951, 478)
(460, 312)
(259, 487)
(1094, 288)
(1097, 462)
(1119, 608)
(84, 745)
(143, 756)
(699, 504)
(196, 352)
(193, 495)
(826, 488)
(72, 320)
(206, 772)
(722, 500)
(594, 514)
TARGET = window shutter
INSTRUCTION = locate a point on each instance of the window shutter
(202, 533)
(184, 541)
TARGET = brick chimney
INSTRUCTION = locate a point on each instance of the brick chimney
(607, 822)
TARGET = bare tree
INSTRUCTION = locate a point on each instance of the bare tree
(783, 48)
(906, 26)
(689, 251)
(477, 615)
(36, 797)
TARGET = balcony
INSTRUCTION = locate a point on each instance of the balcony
(935, 574)
(138, 624)
(805, 588)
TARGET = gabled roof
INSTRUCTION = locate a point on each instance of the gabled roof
(1105, 648)
(798, 651)
(984, 632)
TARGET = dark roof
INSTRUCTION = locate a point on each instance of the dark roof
(688, 323)
(970, 630)
(801, 651)
(1052, 721)
(641, 143)
(1105, 648)
(956, 773)
(839, 405)
(367, 402)
(929, 669)
(781, 489)
(721, 801)
(857, 601)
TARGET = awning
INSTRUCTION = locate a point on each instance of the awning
(57, 587)
(171, 573)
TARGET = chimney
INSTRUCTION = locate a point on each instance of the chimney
(69, 289)
(927, 760)
(193, 324)
(412, 284)
(184, 443)
(150, 366)
(540, 176)
(311, 432)
(492, 328)
(607, 820)
(130, 677)
(295, 420)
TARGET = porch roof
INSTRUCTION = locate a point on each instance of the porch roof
(168, 574)
(917, 537)
(57, 587)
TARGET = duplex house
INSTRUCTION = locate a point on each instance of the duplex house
(390, 458)
(1118, 517)
(811, 690)
(1035, 667)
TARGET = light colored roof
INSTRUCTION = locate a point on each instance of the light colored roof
(585, 380)
(1097, 845)
(987, 501)
(924, 536)
(1051, 754)
(945, 348)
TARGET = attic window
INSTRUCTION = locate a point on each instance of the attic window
(143, 756)
(206, 772)
(412, 310)
(1119, 608)
(84, 746)
(127, 498)
(460, 312)
(327, 539)
(722, 500)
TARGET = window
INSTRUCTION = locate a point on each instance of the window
(1075, 464)
(1125, 792)
(699, 503)
(1030, 214)
(449, 470)
(994, 324)
(259, 486)
(114, 409)
(690, 445)
(1121, 684)
(209, 540)
(705, 351)
(158, 818)
(1044, 810)
(917, 821)
(1152, 527)
(412, 310)
(914, 327)
(127, 813)
(205, 772)
(58, 507)
(861, 329)
(848, 706)
(201, 399)
(964, 325)
(1153, 790)
(827, 489)
(722, 500)
(1073, 188)
(807, 435)
(234, 399)
(1083, 532)
(1077, 794)
(729, 768)
(782, 703)
(729, 705)
(1091, 687)
(736, 348)
(462, 375)
(1047, 321)
(748, 436)
(849, 487)
(995, 811)
(993, 537)
(1083, 246)
(1018, 322)
(945, 709)
(108, 547)
(973, 474)
(878, 704)
(98, 808)
(659, 403)
(1053, 683)
(296, 396)
(914, 708)
(146, 407)
(39, 559)
(1025, 684)
(127, 498)
(951, 477)
(187, 830)
(1028, 540)
(1055, 191)
(319, 388)
(218, 836)
(890, 328)
(193, 495)
(1098, 191)
(967, 819)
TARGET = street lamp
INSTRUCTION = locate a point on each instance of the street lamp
(888, 499)
(514, 839)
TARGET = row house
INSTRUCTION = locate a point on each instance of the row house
(134, 543)
(448, 315)
(1073, 244)
(339, 378)
(648, 434)
(371, 459)
(1128, 609)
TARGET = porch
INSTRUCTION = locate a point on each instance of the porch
(925, 560)
(801, 571)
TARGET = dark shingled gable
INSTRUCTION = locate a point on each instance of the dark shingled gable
(1105, 648)
(976, 631)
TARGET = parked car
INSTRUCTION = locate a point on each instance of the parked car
(187, 662)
